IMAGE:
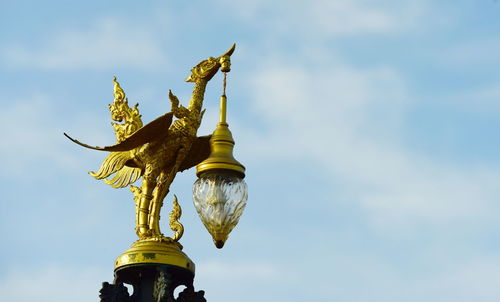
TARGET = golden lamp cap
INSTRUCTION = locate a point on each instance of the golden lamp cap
(221, 149)
(221, 156)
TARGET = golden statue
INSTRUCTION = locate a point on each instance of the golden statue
(155, 264)
(158, 150)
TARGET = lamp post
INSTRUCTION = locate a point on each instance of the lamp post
(155, 265)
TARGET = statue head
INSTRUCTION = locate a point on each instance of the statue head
(206, 69)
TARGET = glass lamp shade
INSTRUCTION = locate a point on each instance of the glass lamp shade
(219, 199)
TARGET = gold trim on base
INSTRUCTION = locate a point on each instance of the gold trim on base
(143, 252)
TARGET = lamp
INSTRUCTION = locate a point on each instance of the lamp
(220, 193)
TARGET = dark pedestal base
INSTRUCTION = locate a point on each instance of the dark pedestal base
(151, 283)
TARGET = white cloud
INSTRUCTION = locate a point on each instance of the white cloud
(362, 277)
(350, 17)
(324, 274)
(35, 138)
(108, 43)
(481, 100)
(476, 280)
(348, 122)
(53, 283)
(218, 271)
(222, 281)
(472, 52)
(322, 18)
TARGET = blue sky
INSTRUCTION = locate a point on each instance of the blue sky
(368, 129)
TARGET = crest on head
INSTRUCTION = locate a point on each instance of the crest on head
(121, 112)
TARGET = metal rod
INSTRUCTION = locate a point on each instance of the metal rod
(223, 102)
(224, 84)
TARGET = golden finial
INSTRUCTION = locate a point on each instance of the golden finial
(118, 91)
(175, 225)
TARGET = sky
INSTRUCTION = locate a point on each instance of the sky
(368, 129)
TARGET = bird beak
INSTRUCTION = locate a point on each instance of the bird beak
(225, 61)
(230, 51)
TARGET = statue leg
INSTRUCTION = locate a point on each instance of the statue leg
(156, 204)
(137, 199)
(162, 189)
(148, 185)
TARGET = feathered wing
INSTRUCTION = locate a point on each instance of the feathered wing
(112, 163)
(119, 160)
(120, 156)
(155, 130)
(200, 150)
(116, 162)
(125, 176)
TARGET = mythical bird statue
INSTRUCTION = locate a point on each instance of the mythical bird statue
(158, 150)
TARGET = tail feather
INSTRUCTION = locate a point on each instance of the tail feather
(112, 163)
(124, 177)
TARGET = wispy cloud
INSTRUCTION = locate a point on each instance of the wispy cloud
(474, 280)
(34, 137)
(476, 51)
(323, 18)
(240, 277)
(354, 17)
(53, 283)
(411, 226)
(107, 43)
(224, 272)
(348, 121)
(481, 100)
(363, 277)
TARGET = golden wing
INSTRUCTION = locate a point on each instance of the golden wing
(200, 150)
(112, 163)
(116, 162)
(125, 176)
(155, 130)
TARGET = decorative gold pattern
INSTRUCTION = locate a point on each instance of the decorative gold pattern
(160, 287)
(149, 251)
(120, 111)
(158, 150)
(175, 225)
